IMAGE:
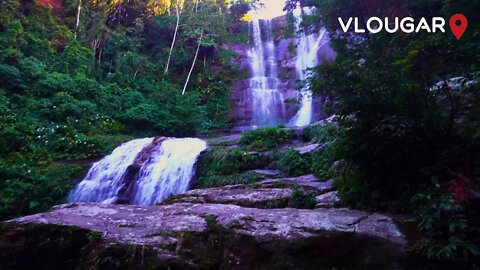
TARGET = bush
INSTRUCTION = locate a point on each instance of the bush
(221, 166)
(323, 159)
(265, 139)
(299, 200)
(319, 133)
(449, 226)
(294, 164)
(26, 188)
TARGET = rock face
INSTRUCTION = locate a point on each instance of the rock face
(270, 193)
(285, 55)
(327, 200)
(208, 236)
(232, 227)
(308, 148)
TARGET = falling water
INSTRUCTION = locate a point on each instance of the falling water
(105, 178)
(159, 170)
(268, 108)
(169, 171)
(307, 50)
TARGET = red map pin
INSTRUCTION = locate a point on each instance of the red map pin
(458, 24)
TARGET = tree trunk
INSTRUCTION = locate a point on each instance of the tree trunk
(193, 64)
(173, 41)
(79, 9)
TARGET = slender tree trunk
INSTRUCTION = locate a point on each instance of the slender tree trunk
(195, 6)
(79, 9)
(173, 41)
(193, 64)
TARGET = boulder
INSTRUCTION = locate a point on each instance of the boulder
(309, 183)
(270, 193)
(308, 148)
(327, 200)
(242, 195)
(200, 236)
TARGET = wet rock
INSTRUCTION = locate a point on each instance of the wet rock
(308, 148)
(327, 200)
(306, 182)
(203, 236)
(242, 195)
(268, 173)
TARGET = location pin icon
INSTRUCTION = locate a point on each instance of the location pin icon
(458, 24)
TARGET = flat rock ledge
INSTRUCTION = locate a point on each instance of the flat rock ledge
(270, 193)
(200, 236)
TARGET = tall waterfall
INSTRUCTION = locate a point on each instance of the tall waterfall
(307, 50)
(142, 171)
(268, 108)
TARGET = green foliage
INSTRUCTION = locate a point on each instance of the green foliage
(68, 94)
(30, 187)
(323, 159)
(299, 200)
(448, 229)
(399, 130)
(289, 30)
(265, 139)
(319, 133)
(213, 180)
(293, 163)
(228, 166)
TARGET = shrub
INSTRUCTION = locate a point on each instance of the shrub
(265, 139)
(299, 200)
(294, 164)
(449, 226)
(323, 159)
(221, 166)
(319, 133)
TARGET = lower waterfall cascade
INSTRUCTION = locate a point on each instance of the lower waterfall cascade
(142, 171)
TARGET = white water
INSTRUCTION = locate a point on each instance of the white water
(267, 105)
(104, 179)
(168, 170)
(307, 50)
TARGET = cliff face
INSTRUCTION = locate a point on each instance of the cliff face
(286, 56)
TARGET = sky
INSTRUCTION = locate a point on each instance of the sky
(273, 8)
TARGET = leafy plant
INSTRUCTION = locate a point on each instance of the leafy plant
(293, 163)
(449, 232)
(265, 139)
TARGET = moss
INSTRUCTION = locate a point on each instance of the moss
(235, 179)
(299, 200)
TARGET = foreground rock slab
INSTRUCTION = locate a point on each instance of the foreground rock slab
(200, 236)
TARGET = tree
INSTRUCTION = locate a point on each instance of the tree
(205, 26)
(178, 9)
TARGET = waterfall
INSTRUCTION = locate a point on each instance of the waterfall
(307, 50)
(267, 106)
(142, 171)
(169, 171)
